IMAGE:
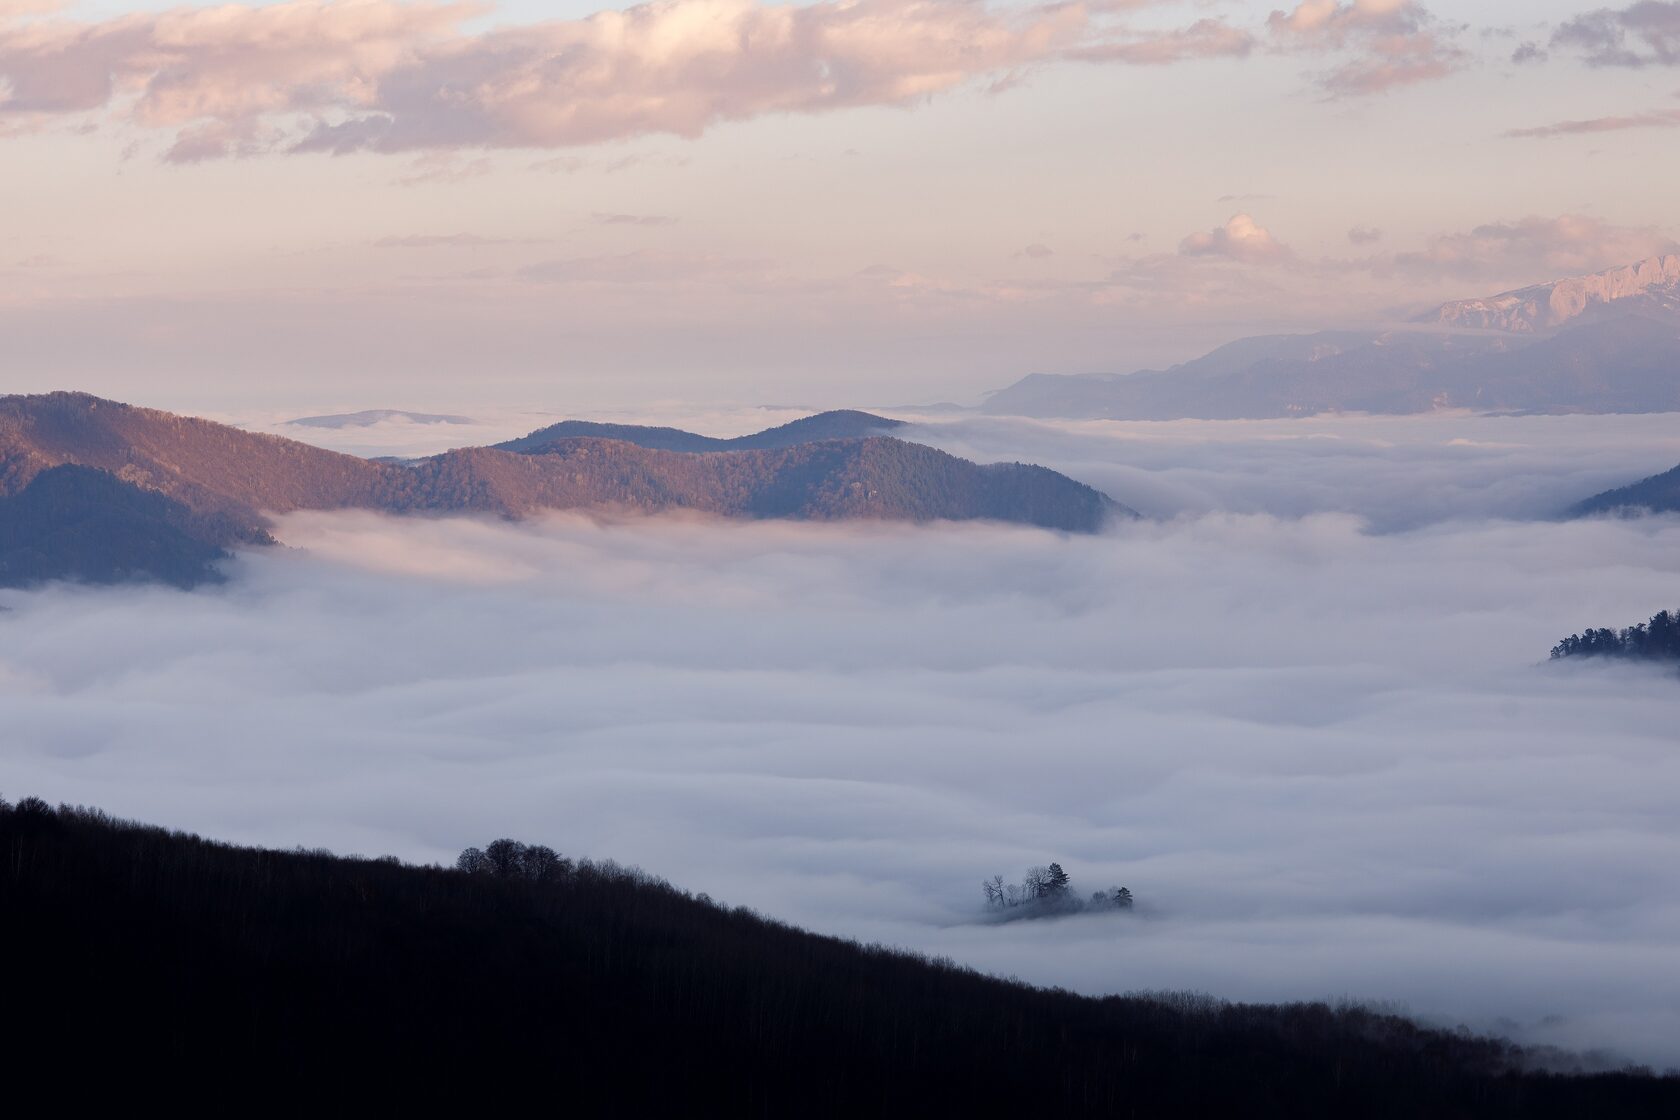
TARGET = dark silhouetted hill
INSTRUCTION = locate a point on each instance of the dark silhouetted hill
(160, 969)
(223, 482)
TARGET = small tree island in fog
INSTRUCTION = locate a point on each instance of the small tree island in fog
(1048, 892)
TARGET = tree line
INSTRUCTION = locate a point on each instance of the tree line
(1656, 640)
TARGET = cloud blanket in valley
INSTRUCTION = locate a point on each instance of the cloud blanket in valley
(1328, 760)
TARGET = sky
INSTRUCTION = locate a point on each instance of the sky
(314, 205)
(1304, 713)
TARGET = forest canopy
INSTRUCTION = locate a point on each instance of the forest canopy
(1656, 640)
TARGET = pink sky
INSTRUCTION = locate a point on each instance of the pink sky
(371, 203)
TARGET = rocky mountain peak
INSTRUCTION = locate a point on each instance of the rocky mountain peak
(1544, 307)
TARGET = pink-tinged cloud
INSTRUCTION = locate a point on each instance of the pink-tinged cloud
(1571, 245)
(1660, 118)
(387, 76)
(1207, 38)
(448, 240)
(1392, 43)
(1240, 239)
(1335, 21)
(1364, 235)
(1642, 34)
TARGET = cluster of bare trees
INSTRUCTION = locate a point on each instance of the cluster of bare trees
(1047, 892)
(509, 859)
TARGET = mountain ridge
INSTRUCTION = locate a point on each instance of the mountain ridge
(222, 484)
(1541, 307)
(1609, 342)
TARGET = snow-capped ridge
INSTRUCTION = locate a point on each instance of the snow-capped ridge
(1543, 307)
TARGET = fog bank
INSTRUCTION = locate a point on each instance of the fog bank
(1328, 761)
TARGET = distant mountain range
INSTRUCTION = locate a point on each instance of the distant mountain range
(1609, 342)
(96, 490)
(369, 417)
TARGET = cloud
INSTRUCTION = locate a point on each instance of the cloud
(444, 167)
(1364, 235)
(1660, 118)
(1642, 34)
(1207, 38)
(1240, 239)
(445, 240)
(1036, 252)
(632, 219)
(644, 266)
(1535, 247)
(1327, 760)
(1395, 43)
(395, 76)
(1337, 21)
(376, 75)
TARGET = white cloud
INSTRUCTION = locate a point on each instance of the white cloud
(1240, 239)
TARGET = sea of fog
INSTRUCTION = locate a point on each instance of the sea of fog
(1304, 712)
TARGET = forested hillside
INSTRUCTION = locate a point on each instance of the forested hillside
(160, 968)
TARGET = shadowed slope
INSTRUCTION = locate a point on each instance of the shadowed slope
(84, 524)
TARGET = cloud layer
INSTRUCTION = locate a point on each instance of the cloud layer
(386, 76)
(1326, 760)
(377, 75)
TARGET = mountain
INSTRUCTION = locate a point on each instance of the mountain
(1603, 343)
(1659, 493)
(827, 480)
(369, 417)
(1650, 285)
(839, 424)
(522, 978)
(162, 477)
